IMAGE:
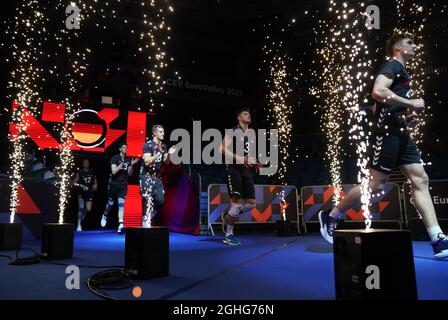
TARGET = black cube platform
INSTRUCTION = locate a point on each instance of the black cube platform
(57, 241)
(389, 250)
(283, 228)
(147, 252)
(10, 236)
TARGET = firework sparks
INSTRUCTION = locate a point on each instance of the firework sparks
(279, 110)
(343, 54)
(77, 60)
(27, 32)
(152, 45)
(149, 200)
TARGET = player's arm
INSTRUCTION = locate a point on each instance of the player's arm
(148, 158)
(95, 183)
(383, 94)
(76, 179)
(169, 154)
(225, 150)
(114, 168)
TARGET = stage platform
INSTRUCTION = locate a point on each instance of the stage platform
(202, 268)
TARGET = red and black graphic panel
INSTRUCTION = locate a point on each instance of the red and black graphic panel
(268, 203)
(91, 130)
(133, 207)
(37, 205)
(386, 206)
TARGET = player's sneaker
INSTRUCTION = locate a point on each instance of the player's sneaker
(104, 220)
(441, 247)
(231, 240)
(120, 228)
(327, 225)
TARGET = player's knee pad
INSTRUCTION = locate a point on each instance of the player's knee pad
(235, 209)
(247, 207)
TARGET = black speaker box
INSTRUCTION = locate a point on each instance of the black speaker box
(283, 228)
(57, 241)
(10, 236)
(374, 264)
(147, 252)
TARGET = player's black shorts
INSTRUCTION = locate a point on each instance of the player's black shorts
(390, 151)
(117, 190)
(86, 195)
(238, 184)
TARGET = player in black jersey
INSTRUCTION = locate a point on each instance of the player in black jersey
(240, 183)
(121, 168)
(393, 146)
(151, 186)
(86, 183)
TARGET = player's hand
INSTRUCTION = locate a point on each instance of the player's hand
(412, 120)
(94, 188)
(155, 156)
(249, 161)
(259, 165)
(134, 161)
(418, 104)
(172, 150)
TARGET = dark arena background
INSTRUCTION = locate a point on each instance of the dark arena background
(80, 79)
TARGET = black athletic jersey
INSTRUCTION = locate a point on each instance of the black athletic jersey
(401, 86)
(154, 168)
(86, 178)
(246, 144)
(122, 175)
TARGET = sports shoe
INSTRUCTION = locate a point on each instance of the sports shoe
(231, 240)
(441, 247)
(120, 227)
(104, 220)
(146, 222)
(224, 221)
(79, 228)
(327, 225)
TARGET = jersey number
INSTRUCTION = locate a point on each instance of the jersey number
(125, 166)
(246, 147)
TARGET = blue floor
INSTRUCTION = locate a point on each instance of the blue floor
(201, 267)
